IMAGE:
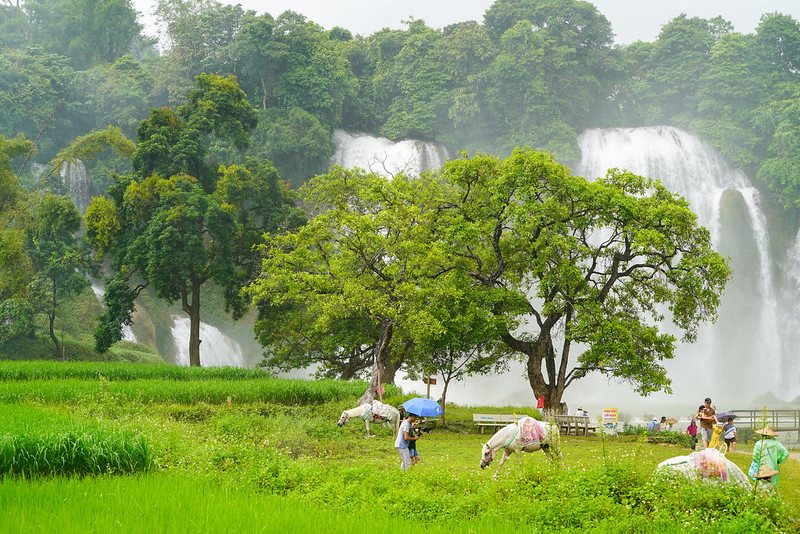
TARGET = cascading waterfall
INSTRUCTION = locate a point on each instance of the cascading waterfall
(743, 349)
(384, 157)
(216, 349)
(76, 178)
(791, 338)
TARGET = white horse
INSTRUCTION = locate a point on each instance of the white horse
(374, 412)
(708, 465)
(526, 435)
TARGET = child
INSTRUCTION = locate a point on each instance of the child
(692, 431)
(412, 445)
(729, 433)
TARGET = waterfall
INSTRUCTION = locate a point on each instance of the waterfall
(385, 157)
(99, 291)
(216, 349)
(742, 353)
(77, 181)
(791, 339)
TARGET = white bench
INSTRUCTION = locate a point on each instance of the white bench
(579, 424)
(482, 420)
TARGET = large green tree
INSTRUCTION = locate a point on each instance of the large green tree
(178, 222)
(362, 262)
(582, 272)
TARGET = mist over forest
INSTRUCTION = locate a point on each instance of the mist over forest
(534, 73)
(531, 73)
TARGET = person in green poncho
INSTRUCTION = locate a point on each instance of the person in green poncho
(769, 452)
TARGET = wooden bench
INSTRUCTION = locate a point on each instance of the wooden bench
(579, 424)
(482, 420)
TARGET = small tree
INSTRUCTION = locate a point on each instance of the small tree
(61, 264)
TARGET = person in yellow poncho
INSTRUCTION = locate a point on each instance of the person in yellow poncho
(769, 452)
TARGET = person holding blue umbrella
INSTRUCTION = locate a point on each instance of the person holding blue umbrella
(405, 436)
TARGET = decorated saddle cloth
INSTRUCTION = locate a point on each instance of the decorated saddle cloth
(530, 431)
(381, 411)
(710, 463)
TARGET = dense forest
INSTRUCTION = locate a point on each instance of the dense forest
(532, 73)
(80, 80)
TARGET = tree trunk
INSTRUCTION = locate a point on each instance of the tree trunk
(443, 399)
(382, 354)
(193, 310)
(52, 320)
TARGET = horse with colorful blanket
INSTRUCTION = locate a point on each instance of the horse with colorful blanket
(374, 412)
(527, 435)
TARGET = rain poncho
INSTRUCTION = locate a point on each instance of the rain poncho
(770, 452)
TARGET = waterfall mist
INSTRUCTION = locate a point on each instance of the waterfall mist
(384, 157)
(216, 348)
(77, 180)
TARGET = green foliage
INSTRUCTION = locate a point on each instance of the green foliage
(179, 221)
(87, 31)
(527, 224)
(295, 141)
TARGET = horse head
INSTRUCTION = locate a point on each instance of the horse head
(343, 419)
(487, 455)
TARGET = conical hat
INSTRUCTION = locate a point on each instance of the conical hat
(766, 431)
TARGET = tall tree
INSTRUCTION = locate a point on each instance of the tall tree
(196, 33)
(582, 267)
(364, 259)
(178, 222)
(60, 262)
(679, 58)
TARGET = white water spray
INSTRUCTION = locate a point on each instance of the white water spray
(687, 166)
(216, 349)
(384, 157)
(76, 178)
(99, 291)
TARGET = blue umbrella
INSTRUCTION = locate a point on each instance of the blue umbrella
(423, 407)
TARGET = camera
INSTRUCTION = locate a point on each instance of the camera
(424, 429)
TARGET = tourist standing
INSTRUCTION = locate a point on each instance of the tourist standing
(729, 434)
(707, 416)
(404, 437)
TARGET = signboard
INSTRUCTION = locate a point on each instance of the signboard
(610, 415)
(431, 381)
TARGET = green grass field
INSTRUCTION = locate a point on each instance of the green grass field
(274, 460)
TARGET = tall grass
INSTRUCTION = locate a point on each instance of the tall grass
(78, 381)
(179, 504)
(74, 453)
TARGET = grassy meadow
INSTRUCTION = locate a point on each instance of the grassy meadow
(120, 447)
